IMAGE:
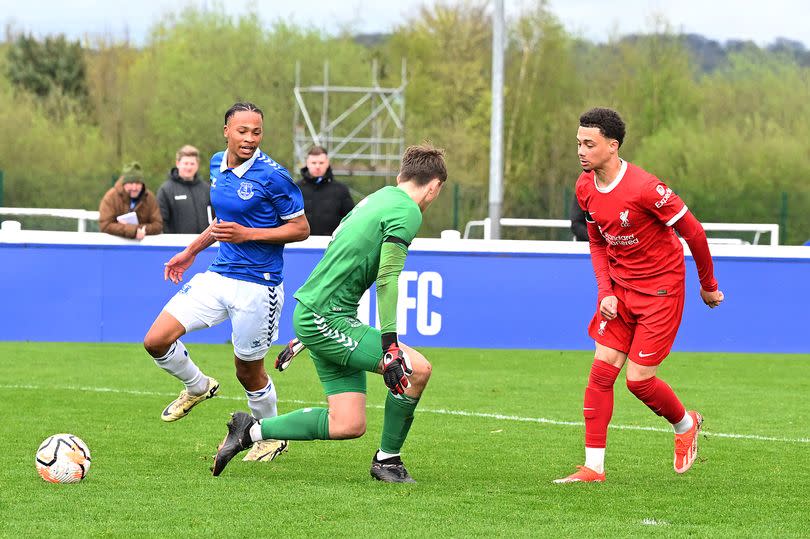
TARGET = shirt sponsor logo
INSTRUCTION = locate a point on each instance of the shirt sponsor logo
(665, 194)
(245, 191)
(629, 239)
(623, 215)
(180, 197)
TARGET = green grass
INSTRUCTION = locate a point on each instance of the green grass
(477, 475)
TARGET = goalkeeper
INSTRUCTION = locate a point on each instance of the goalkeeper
(370, 245)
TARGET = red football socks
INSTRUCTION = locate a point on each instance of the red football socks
(598, 407)
(659, 397)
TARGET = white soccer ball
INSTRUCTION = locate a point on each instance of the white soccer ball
(63, 458)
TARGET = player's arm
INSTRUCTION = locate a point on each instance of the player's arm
(692, 232)
(395, 365)
(294, 229)
(601, 269)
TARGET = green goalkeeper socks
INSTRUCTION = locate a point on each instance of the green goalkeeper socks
(303, 424)
(397, 421)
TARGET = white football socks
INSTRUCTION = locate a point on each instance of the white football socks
(256, 432)
(684, 424)
(382, 455)
(262, 402)
(178, 363)
(595, 459)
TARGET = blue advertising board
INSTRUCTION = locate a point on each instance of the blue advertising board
(448, 298)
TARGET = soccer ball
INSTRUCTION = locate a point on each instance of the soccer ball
(63, 458)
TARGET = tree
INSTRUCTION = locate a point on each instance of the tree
(54, 69)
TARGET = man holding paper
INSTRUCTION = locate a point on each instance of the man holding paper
(129, 209)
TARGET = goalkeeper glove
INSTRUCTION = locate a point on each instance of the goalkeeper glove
(396, 366)
(286, 356)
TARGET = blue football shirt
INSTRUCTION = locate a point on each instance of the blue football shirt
(259, 193)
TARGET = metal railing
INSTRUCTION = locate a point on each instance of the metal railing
(757, 228)
(81, 215)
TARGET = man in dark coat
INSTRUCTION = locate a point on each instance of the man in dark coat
(326, 201)
(185, 197)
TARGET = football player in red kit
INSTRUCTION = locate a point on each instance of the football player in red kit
(640, 274)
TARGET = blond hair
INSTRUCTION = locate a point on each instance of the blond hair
(188, 151)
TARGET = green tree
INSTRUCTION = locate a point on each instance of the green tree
(53, 70)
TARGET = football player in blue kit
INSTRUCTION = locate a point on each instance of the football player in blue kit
(259, 209)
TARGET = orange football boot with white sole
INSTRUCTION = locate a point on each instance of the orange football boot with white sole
(686, 444)
(584, 475)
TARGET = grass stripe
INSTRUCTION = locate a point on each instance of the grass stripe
(440, 411)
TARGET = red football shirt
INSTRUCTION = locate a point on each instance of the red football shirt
(634, 215)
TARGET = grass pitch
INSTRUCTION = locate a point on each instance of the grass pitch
(492, 431)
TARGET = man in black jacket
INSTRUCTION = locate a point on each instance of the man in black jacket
(326, 201)
(185, 198)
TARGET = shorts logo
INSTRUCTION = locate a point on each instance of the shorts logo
(335, 335)
(245, 191)
(602, 325)
(623, 217)
(185, 289)
(642, 354)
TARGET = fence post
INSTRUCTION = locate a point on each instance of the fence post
(456, 196)
(783, 218)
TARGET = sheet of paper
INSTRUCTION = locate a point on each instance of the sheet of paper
(128, 218)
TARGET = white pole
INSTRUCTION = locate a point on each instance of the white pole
(496, 127)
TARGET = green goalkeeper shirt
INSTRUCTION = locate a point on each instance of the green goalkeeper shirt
(352, 260)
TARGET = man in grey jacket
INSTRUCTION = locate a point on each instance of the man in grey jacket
(185, 198)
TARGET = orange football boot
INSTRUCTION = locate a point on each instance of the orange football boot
(686, 444)
(584, 475)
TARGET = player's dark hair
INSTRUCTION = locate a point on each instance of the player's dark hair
(608, 121)
(422, 163)
(237, 107)
(317, 150)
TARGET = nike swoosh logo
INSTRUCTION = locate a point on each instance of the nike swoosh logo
(642, 354)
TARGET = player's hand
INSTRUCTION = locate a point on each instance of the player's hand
(286, 356)
(396, 369)
(230, 232)
(608, 307)
(173, 269)
(712, 299)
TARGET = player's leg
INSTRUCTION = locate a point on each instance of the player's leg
(656, 333)
(612, 339)
(345, 387)
(255, 311)
(190, 309)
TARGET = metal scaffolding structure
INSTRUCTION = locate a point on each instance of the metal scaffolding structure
(362, 128)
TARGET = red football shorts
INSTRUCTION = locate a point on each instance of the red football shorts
(644, 328)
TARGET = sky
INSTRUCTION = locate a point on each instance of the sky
(597, 20)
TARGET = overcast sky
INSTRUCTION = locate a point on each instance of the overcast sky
(760, 21)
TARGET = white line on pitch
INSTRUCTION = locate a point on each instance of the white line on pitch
(440, 411)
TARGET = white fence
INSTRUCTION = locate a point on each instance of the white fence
(757, 228)
(81, 215)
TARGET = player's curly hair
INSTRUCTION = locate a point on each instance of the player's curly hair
(608, 121)
(422, 163)
(236, 107)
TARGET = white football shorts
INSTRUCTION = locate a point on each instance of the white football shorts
(254, 309)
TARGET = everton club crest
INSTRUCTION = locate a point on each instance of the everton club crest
(245, 190)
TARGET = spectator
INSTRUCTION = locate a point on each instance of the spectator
(577, 216)
(326, 201)
(185, 198)
(129, 209)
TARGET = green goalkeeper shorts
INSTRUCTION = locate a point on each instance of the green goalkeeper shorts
(342, 348)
